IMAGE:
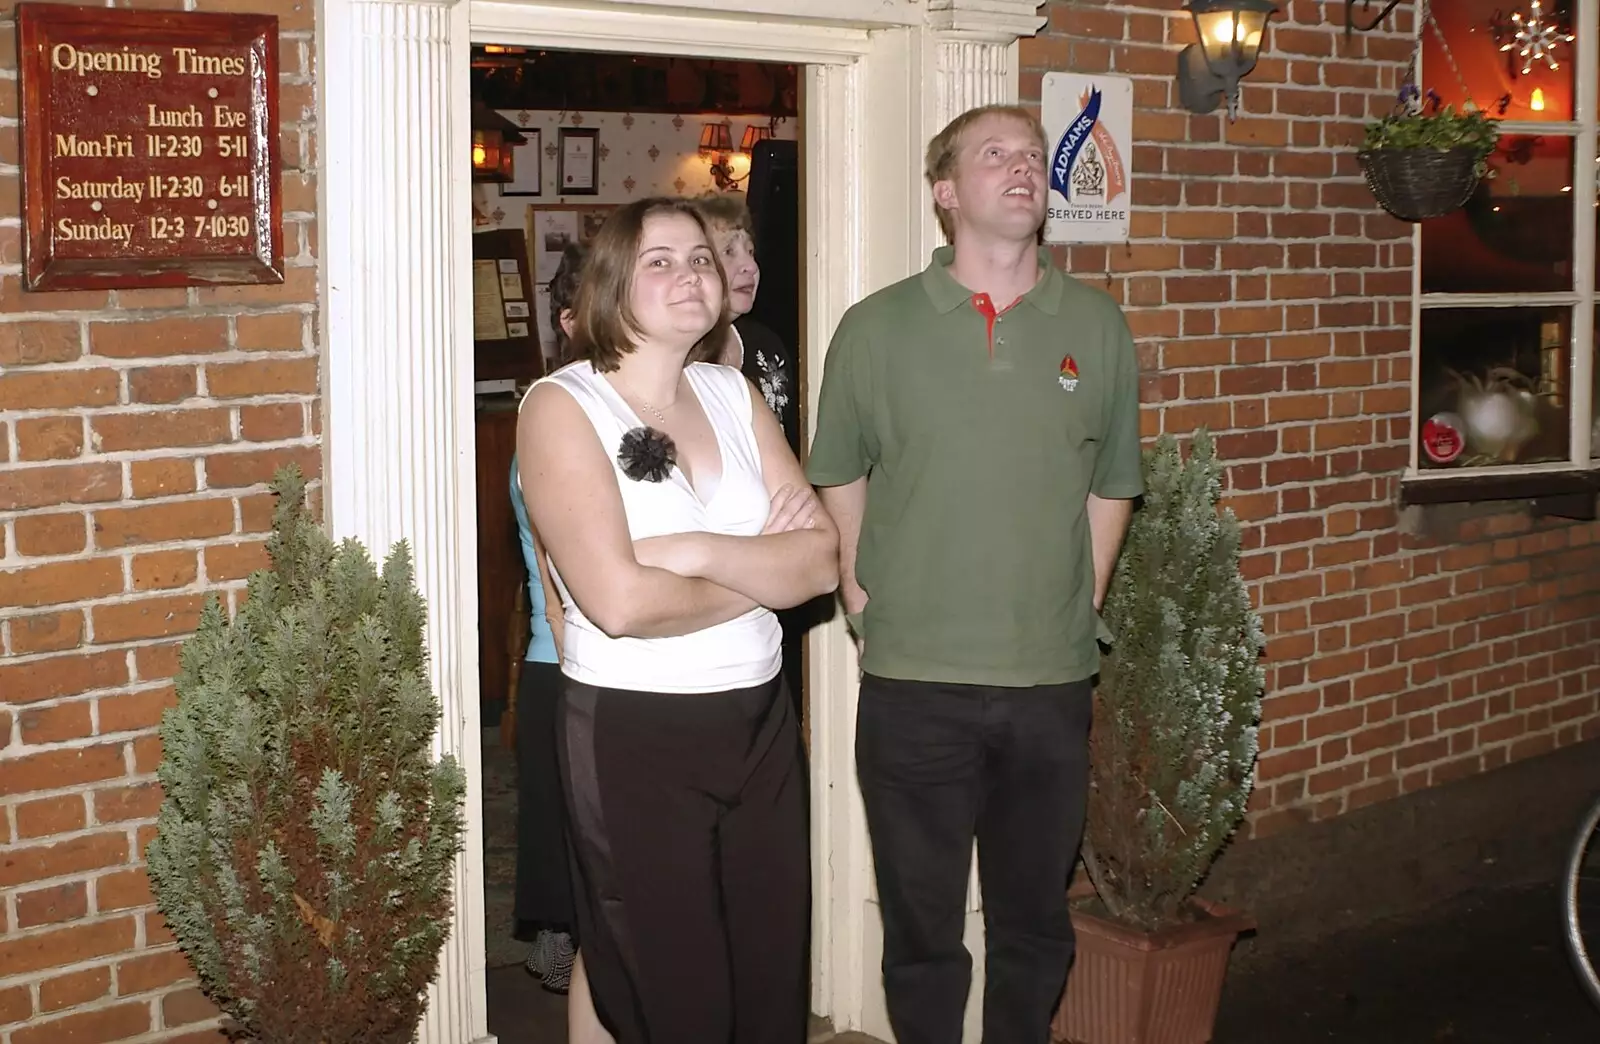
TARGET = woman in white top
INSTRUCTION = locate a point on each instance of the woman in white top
(676, 518)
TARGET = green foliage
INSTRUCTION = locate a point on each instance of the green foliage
(1441, 131)
(306, 840)
(1174, 738)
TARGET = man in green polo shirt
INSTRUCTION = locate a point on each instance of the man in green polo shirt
(978, 446)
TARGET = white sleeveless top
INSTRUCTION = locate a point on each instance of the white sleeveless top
(738, 654)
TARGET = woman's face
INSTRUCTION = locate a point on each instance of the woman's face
(676, 293)
(738, 253)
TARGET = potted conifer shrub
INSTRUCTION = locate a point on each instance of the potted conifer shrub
(1172, 753)
(307, 834)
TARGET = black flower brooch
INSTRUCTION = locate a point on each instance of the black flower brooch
(647, 455)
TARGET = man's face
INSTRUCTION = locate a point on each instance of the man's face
(998, 188)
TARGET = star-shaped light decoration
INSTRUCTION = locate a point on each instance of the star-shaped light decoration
(1536, 40)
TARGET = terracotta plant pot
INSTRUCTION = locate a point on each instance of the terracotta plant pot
(1133, 987)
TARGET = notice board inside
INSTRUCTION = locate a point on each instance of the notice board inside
(149, 148)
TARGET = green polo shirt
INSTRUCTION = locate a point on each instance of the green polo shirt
(982, 435)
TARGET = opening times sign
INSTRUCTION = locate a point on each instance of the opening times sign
(150, 148)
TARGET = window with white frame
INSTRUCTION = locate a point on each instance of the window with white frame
(1503, 337)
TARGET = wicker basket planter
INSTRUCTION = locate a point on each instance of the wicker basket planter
(1417, 184)
(1133, 987)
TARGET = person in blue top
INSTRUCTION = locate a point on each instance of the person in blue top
(544, 906)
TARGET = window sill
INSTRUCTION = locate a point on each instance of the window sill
(1568, 493)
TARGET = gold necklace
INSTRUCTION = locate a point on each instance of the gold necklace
(662, 417)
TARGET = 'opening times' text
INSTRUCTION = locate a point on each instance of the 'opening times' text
(187, 136)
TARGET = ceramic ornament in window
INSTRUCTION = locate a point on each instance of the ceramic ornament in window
(1499, 413)
(1536, 40)
(1444, 437)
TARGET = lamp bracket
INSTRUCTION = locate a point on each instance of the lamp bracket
(1350, 19)
(1199, 89)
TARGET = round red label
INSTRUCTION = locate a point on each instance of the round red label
(1442, 438)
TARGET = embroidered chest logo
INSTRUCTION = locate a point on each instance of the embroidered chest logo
(1069, 373)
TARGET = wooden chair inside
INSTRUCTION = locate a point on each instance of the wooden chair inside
(517, 630)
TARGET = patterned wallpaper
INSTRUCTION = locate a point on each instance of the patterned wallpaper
(639, 155)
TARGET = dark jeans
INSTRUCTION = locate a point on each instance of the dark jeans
(689, 823)
(939, 765)
(544, 881)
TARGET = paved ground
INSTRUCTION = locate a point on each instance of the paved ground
(1488, 969)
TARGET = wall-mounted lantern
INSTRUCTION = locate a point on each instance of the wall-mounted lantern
(716, 144)
(493, 140)
(1231, 32)
(754, 134)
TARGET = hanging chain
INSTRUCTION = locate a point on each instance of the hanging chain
(1425, 14)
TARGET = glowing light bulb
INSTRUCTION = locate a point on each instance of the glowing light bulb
(1227, 30)
(1536, 103)
(479, 155)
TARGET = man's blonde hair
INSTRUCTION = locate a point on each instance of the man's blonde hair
(945, 148)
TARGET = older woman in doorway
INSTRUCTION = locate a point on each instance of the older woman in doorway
(757, 352)
(751, 348)
(676, 519)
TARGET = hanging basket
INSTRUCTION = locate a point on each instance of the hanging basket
(1417, 184)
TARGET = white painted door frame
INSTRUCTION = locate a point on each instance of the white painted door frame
(881, 77)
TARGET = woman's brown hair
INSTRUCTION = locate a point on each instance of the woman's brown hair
(563, 292)
(603, 325)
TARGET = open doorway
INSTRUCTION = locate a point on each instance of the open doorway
(561, 138)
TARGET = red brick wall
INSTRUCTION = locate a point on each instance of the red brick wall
(136, 430)
(1271, 300)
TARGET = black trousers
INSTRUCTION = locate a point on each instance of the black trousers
(544, 880)
(943, 764)
(689, 826)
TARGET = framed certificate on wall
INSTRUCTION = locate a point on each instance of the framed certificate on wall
(578, 162)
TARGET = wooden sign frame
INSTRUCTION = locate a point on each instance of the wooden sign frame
(109, 53)
(515, 355)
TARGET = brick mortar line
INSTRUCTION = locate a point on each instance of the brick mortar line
(1429, 658)
(125, 740)
(97, 738)
(201, 584)
(229, 494)
(1440, 681)
(88, 963)
(132, 314)
(128, 646)
(1278, 607)
(192, 453)
(1399, 774)
(194, 404)
(91, 874)
(28, 749)
(121, 600)
(1429, 713)
(121, 825)
(153, 997)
